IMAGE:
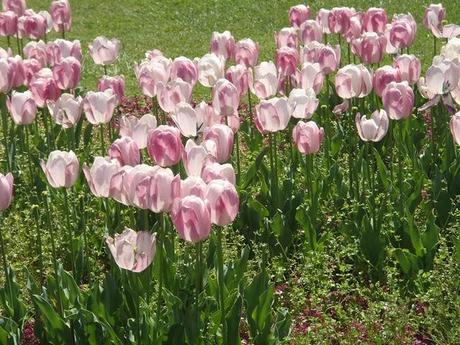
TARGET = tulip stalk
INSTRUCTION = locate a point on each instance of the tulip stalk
(5, 131)
(70, 233)
(101, 132)
(160, 239)
(238, 164)
(199, 281)
(220, 280)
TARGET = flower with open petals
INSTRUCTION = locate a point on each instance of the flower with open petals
(272, 115)
(373, 129)
(61, 169)
(67, 110)
(104, 51)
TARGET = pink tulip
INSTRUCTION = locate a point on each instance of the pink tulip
(353, 81)
(17, 6)
(308, 137)
(409, 67)
(104, 51)
(247, 52)
(66, 111)
(450, 31)
(193, 185)
(117, 184)
(22, 107)
(210, 69)
(32, 25)
(186, 119)
(137, 129)
(6, 76)
(433, 17)
(303, 103)
(375, 20)
(373, 129)
(322, 17)
(215, 171)
(264, 83)
(298, 15)
(195, 158)
(61, 49)
(423, 89)
(6, 190)
(355, 30)
(8, 23)
(311, 31)
(99, 106)
(398, 100)
(126, 151)
(450, 50)
(173, 93)
(339, 19)
(61, 169)
(132, 251)
(191, 218)
(443, 76)
(61, 15)
(219, 142)
(137, 184)
(287, 60)
(238, 75)
(165, 188)
(37, 51)
(48, 19)
(207, 114)
(100, 174)
(455, 127)
(327, 57)
(164, 145)
(272, 115)
(116, 84)
(389, 49)
(383, 76)
(184, 69)
(31, 67)
(403, 29)
(310, 76)
(17, 70)
(44, 88)
(151, 73)
(225, 98)
(223, 201)
(67, 73)
(370, 47)
(223, 44)
(286, 37)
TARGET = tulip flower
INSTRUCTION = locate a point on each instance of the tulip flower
(61, 15)
(433, 17)
(210, 69)
(17, 6)
(136, 185)
(151, 73)
(310, 77)
(164, 145)
(355, 30)
(455, 127)
(6, 76)
(132, 251)
(17, 70)
(99, 106)
(60, 49)
(287, 60)
(409, 67)
(308, 137)
(104, 51)
(311, 31)
(339, 19)
(389, 49)
(298, 15)
(22, 107)
(61, 169)
(451, 50)
(137, 129)
(238, 75)
(191, 217)
(322, 17)
(32, 25)
(327, 57)
(8, 23)
(375, 20)
(116, 84)
(66, 111)
(6, 190)
(370, 47)
(126, 151)
(303, 103)
(247, 52)
(223, 201)
(225, 98)
(353, 81)
(67, 73)
(171, 94)
(44, 88)
(215, 171)
(443, 76)
(31, 68)
(195, 158)
(272, 115)
(286, 37)
(38, 51)
(184, 69)
(403, 29)
(373, 129)
(383, 76)
(193, 185)
(186, 119)
(219, 142)
(398, 100)
(100, 174)
(264, 83)
(223, 44)
(164, 189)
(450, 31)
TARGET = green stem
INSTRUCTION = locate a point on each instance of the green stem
(199, 280)
(70, 233)
(105, 69)
(5, 132)
(238, 166)
(101, 129)
(160, 239)
(19, 45)
(220, 279)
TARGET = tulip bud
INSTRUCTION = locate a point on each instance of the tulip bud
(409, 67)
(151, 73)
(61, 49)
(219, 142)
(265, 80)
(99, 106)
(195, 157)
(403, 29)
(37, 51)
(375, 20)
(353, 81)
(287, 60)
(311, 31)
(370, 47)
(32, 25)
(286, 37)
(191, 218)
(383, 76)
(171, 94)
(238, 75)
(61, 169)
(17, 6)
(22, 107)
(310, 77)
(193, 185)
(433, 17)
(6, 76)
(164, 145)
(298, 15)
(8, 23)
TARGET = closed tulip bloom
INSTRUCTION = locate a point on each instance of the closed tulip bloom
(22, 107)
(298, 15)
(370, 47)
(67, 73)
(137, 185)
(373, 129)
(61, 169)
(443, 76)
(193, 185)
(322, 17)
(192, 218)
(165, 188)
(116, 84)
(17, 6)
(195, 158)
(353, 81)
(225, 98)
(223, 44)
(455, 127)
(8, 23)
(99, 106)
(223, 201)
(310, 77)
(173, 93)
(67, 110)
(186, 119)
(104, 51)
(44, 88)
(356, 27)
(327, 57)
(383, 76)
(221, 136)
(117, 185)
(287, 60)
(398, 100)
(311, 31)
(31, 67)
(286, 37)
(238, 75)
(60, 49)
(100, 174)
(151, 73)
(303, 103)
(433, 17)
(137, 129)
(308, 137)
(6, 76)
(37, 51)
(32, 25)
(126, 151)
(210, 69)
(216, 171)
(339, 19)
(247, 52)
(6, 190)
(273, 115)
(185, 69)
(132, 251)
(409, 67)
(389, 49)
(17, 70)
(164, 146)
(403, 30)
(61, 15)
(265, 80)
(375, 20)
